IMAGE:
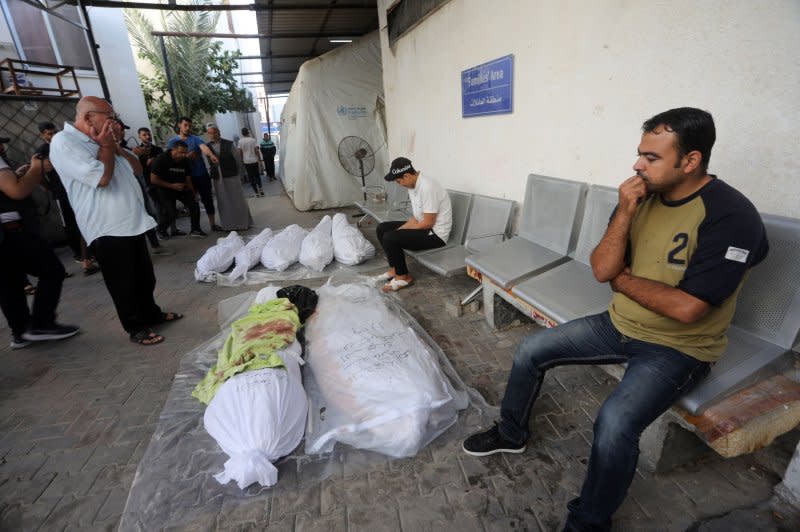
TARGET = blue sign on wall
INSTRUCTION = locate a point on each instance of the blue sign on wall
(488, 89)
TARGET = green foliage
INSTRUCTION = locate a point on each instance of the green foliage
(202, 72)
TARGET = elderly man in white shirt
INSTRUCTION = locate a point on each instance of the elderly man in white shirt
(99, 176)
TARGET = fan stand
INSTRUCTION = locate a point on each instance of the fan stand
(360, 154)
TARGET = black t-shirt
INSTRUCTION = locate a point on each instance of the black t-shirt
(169, 170)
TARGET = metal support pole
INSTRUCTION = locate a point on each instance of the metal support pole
(169, 78)
(93, 46)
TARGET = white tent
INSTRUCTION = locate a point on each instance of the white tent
(335, 95)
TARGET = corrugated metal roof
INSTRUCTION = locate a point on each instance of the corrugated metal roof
(304, 28)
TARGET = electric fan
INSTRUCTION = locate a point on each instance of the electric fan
(356, 156)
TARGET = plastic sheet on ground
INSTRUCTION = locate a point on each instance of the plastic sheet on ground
(174, 484)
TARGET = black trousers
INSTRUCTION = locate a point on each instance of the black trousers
(167, 199)
(395, 240)
(269, 162)
(202, 183)
(129, 277)
(24, 253)
(253, 176)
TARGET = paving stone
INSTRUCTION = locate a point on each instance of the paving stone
(335, 522)
(236, 512)
(112, 508)
(77, 511)
(76, 484)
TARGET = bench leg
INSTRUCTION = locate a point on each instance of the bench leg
(472, 295)
(665, 445)
(788, 491)
(499, 313)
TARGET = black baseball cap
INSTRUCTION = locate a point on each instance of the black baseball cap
(399, 166)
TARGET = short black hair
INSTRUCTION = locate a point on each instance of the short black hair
(143, 129)
(44, 126)
(185, 119)
(245, 132)
(693, 127)
(179, 144)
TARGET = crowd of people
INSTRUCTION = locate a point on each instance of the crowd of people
(111, 200)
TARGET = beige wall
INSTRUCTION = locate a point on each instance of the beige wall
(587, 74)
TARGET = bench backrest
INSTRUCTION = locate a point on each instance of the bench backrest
(769, 304)
(549, 212)
(460, 202)
(600, 203)
(489, 216)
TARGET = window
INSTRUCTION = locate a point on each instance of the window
(403, 15)
(40, 36)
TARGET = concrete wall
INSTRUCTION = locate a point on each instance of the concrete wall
(587, 74)
(117, 59)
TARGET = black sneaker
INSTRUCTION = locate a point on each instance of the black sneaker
(217, 228)
(18, 342)
(177, 232)
(56, 331)
(162, 235)
(490, 442)
(198, 233)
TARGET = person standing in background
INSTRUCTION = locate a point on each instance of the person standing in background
(268, 151)
(75, 240)
(234, 214)
(200, 178)
(248, 148)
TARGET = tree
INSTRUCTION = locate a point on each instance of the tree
(202, 72)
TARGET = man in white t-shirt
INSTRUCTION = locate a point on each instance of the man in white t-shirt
(428, 227)
(248, 148)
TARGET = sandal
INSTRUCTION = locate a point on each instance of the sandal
(91, 270)
(168, 317)
(396, 284)
(146, 337)
(382, 278)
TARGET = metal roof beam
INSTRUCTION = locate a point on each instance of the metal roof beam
(219, 7)
(288, 35)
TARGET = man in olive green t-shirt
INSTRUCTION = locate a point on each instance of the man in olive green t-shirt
(676, 252)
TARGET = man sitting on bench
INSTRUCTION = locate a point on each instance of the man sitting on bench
(676, 252)
(428, 228)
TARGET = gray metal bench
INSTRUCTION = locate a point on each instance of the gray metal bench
(570, 290)
(487, 225)
(548, 229)
(767, 320)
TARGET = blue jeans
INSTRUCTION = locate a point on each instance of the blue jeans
(655, 378)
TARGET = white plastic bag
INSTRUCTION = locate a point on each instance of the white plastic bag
(249, 256)
(371, 381)
(218, 257)
(284, 248)
(257, 417)
(316, 252)
(350, 247)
